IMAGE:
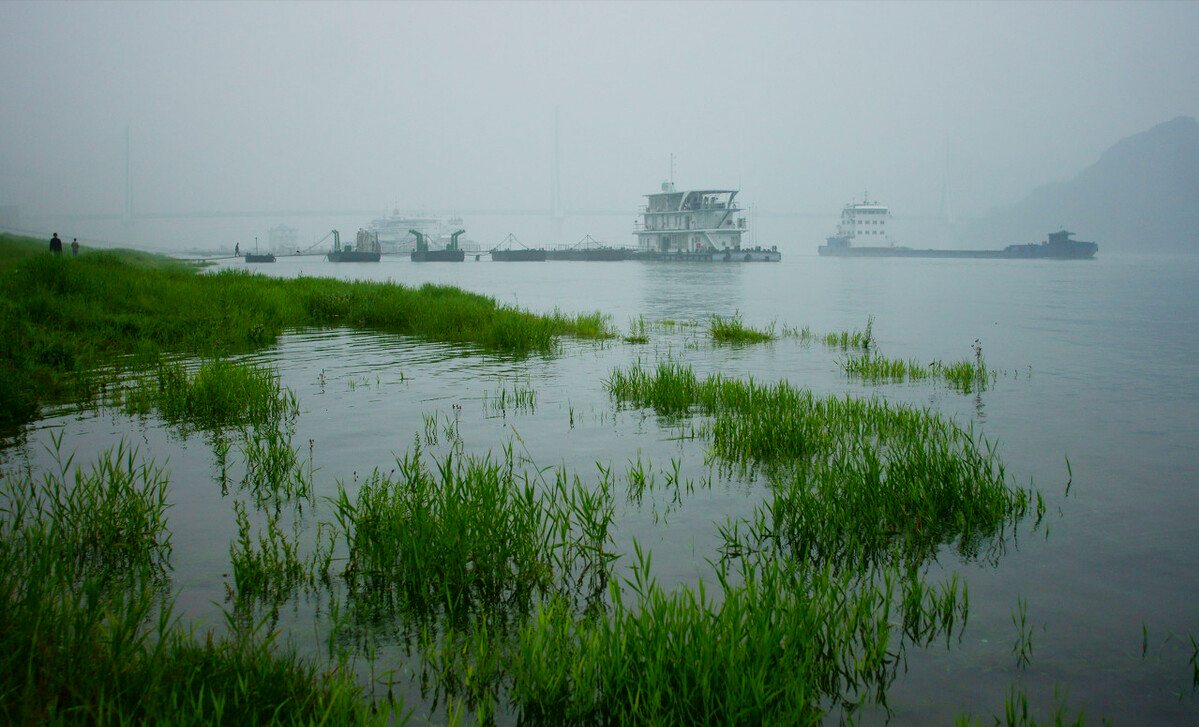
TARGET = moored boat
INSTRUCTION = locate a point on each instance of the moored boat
(451, 254)
(365, 250)
(703, 225)
(512, 250)
(867, 222)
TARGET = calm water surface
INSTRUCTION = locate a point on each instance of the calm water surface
(1099, 367)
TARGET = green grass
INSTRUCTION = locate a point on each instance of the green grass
(854, 479)
(964, 376)
(874, 368)
(1017, 713)
(732, 330)
(777, 645)
(469, 536)
(639, 329)
(87, 632)
(213, 395)
(63, 318)
(846, 340)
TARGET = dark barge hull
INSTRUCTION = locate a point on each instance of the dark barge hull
(518, 256)
(604, 254)
(354, 257)
(438, 256)
(1058, 247)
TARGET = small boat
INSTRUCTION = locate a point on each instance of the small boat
(590, 249)
(451, 254)
(257, 257)
(512, 250)
(366, 249)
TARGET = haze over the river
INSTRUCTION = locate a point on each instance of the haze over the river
(451, 107)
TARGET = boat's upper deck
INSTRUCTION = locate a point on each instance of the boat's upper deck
(669, 200)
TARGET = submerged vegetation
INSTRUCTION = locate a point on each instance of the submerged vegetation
(214, 395)
(732, 330)
(964, 376)
(853, 478)
(88, 635)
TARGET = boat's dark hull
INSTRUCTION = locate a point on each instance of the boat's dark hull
(518, 256)
(1013, 252)
(264, 258)
(742, 255)
(438, 256)
(1067, 250)
(594, 254)
(354, 257)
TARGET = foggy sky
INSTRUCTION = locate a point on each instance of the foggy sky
(450, 106)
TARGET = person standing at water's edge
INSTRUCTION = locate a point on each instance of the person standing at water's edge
(75, 247)
(55, 245)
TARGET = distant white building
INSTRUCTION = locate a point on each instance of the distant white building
(284, 238)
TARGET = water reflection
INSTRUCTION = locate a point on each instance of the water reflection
(676, 291)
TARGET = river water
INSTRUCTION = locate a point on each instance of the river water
(1099, 377)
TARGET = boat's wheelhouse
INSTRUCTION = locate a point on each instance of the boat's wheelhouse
(865, 224)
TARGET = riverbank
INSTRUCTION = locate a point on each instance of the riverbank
(69, 324)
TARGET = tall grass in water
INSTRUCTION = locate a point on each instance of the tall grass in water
(963, 376)
(732, 330)
(521, 397)
(274, 566)
(107, 519)
(855, 339)
(471, 535)
(1016, 713)
(468, 536)
(780, 646)
(875, 368)
(87, 635)
(854, 479)
(215, 394)
(638, 330)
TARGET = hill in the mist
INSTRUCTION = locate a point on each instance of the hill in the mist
(1142, 195)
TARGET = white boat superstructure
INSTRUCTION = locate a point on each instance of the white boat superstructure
(394, 230)
(690, 221)
(865, 224)
(695, 224)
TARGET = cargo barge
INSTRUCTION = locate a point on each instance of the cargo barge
(450, 254)
(868, 222)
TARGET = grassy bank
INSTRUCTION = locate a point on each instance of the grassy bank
(64, 318)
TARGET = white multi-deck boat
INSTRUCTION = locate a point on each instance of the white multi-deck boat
(395, 231)
(703, 225)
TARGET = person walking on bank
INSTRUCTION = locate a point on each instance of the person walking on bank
(55, 245)
(75, 247)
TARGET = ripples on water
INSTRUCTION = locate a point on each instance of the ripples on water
(1099, 366)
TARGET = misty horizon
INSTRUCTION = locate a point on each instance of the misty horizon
(451, 107)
